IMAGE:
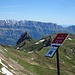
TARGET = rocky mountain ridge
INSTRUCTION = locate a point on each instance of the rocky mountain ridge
(11, 30)
(24, 37)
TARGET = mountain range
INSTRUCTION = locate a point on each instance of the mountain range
(11, 30)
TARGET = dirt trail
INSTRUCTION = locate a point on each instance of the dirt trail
(16, 68)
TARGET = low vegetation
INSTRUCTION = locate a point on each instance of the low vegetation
(34, 62)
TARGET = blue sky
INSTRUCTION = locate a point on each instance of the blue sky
(56, 11)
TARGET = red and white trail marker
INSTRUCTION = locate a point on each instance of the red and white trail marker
(59, 39)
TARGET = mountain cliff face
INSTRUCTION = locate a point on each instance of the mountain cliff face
(11, 30)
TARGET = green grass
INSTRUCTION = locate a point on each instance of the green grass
(2, 74)
(42, 68)
(0, 66)
(43, 65)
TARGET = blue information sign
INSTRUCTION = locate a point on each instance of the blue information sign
(51, 51)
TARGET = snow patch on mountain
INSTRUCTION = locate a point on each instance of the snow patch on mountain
(69, 39)
(40, 41)
(68, 57)
(3, 63)
(5, 71)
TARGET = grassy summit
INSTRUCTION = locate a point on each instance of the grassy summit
(29, 59)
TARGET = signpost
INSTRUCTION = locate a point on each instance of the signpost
(56, 43)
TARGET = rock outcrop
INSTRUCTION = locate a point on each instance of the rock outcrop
(24, 37)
